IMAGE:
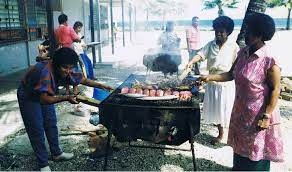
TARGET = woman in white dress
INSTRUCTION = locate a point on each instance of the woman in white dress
(220, 54)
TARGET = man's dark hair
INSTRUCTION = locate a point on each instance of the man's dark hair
(195, 17)
(169, 24)
(62, 18)
(225, 23)
(77, 24)
(64, 56)
(259, 24)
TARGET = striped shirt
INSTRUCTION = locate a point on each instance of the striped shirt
(40, 79)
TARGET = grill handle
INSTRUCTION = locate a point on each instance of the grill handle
(87, 100)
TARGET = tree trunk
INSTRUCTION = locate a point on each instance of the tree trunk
(288, 19)
(147, 19)
(163, 20)
(258, 6)
(289, 13)
(220, 10)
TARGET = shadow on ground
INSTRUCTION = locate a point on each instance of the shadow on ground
(10, 82)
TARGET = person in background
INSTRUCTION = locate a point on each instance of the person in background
(43, 49)
(65, 34)
(193, 42)
(84, 61)
(254, 133)
(115, 30)
(169, 40)
(79, 49)
(220, 54)
(37, 95)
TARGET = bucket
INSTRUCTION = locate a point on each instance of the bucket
(100, 94)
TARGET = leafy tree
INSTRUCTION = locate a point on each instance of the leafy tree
(209, 4)
(162, 8)
(286, 3)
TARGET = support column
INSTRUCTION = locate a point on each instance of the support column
(130, 21)
(98, 31)
(92, 31)
(112, 28)
(50, 21)
(123, 21)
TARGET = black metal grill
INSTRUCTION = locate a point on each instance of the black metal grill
(167, 122)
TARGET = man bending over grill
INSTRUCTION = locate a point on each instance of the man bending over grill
(37, 95)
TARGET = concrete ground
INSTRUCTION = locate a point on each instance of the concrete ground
(16, 153)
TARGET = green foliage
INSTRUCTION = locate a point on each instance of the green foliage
(275, 3)
(162, 7)
(210, 4)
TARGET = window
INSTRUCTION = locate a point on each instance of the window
(103, 16)
(36, 19)
(11, 21)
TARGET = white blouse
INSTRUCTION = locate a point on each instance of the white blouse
(219, 60)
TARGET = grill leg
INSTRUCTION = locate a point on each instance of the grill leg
(191, 140)
(109, 135)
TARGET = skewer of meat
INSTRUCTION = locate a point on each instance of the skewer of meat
(159, 93)
(125, 90)
(152, 93)
(146, 92)
(139, 91)
(132, 90)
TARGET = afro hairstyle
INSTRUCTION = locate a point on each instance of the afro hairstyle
(65, 56)
(259, 24)
(224, 22)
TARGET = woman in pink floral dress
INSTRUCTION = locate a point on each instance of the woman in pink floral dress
(254, 133)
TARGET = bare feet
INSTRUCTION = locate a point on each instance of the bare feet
(218, 139)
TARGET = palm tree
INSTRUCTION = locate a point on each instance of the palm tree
(286, 3)
(162, 8)
(258, 6)
(209, 4)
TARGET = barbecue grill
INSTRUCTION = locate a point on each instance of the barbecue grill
(162, 60)
(163, 122)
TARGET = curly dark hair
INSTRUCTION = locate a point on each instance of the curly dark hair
(77, 24)
(224, 22)
(62, 18)
(259, 24)
(65, 56)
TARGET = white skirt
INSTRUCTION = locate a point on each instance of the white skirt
(218, 102)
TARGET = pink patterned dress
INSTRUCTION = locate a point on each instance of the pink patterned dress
(252, 92)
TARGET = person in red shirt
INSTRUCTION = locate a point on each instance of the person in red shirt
(65, 34)
(193, 41)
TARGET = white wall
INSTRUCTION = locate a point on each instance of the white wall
(78, 10)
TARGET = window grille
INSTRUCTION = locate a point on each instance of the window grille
(36, 19)
(103, 16)
(11, 21)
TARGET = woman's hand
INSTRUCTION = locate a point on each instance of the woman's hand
(264, 122)
(72, 99)
(204, 78)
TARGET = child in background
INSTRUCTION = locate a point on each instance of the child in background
(43, 50)
(85, 62)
